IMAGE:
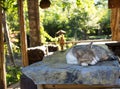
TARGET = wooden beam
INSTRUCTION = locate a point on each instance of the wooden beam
(115, 24)
(113, 4)
(22, 34)
(74, 86)
(3, 84)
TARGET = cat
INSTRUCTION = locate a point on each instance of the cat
(88, 54)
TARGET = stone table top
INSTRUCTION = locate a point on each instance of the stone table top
(54, 70)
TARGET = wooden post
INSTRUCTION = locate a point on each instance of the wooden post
(115, 24)
(114, 5)
(23, 34)
(62, 42)
(3, 84)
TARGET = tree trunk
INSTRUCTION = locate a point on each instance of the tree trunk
(3, 84)
(33, 14)
(85, 36)
(22, 34)
(115, 24)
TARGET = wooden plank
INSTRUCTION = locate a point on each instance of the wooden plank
(113, 4)
(74, 86)
(23, 34)
(3, 84)
(83, 41)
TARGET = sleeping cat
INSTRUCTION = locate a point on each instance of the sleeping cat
(88, 54)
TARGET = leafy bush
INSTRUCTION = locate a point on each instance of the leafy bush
(13, 74)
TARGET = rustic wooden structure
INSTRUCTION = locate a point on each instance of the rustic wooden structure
(61, 42)
(115, 21)
(114, 5)
(23, 34)
(61, 38)
(73, 86)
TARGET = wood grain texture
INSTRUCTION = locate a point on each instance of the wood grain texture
(115, 24)
(75, 86)
(3, 84)
(22, 34)
(113, 4)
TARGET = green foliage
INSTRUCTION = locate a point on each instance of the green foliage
(79, 18)
(101, 3)
(10, 7)
(6, 4)
(12, 17)
(104, 23)
(45, 36)
(13, 74)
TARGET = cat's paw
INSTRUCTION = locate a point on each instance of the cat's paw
(95, 60)
(84, 64)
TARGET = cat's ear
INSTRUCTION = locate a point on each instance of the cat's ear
(90, 45)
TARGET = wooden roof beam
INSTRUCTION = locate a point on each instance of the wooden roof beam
(113, 4)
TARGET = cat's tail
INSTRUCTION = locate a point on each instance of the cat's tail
(113, 57)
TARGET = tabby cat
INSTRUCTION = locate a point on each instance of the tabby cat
(88, 54)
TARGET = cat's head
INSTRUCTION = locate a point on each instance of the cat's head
(86, 55)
